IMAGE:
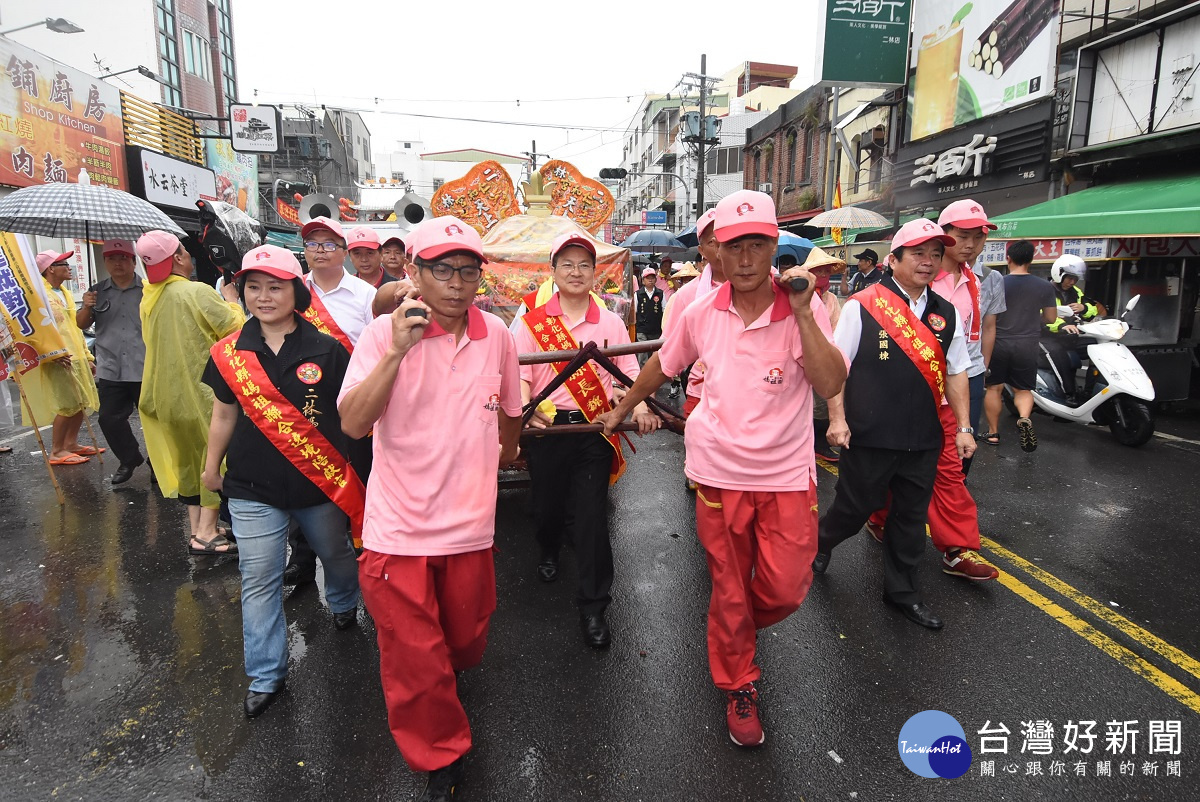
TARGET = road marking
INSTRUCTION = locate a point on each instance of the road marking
(1175, 439)
(16, 437)
(1101, 611)
(1138, 665)
(1155, 676)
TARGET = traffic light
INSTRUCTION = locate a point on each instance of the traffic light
(613, 172)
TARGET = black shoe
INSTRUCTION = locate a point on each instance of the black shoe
(346, 619)
(821, 562)
(256, 702)
(153, 478)
(443, 783)
(918, 613)
(123, 474)
(595, 630)
(548, 569)
(299, 575)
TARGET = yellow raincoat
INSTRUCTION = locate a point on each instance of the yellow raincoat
(181, 320)
(56, 388)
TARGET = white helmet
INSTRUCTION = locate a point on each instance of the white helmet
(1068, 265)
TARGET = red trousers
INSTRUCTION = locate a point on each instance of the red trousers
(953, 516)
(689, 404)
(431, 619)
(760, 548)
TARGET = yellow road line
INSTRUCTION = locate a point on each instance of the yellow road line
(1138, 665)
(1167, 684)
(1101, 611)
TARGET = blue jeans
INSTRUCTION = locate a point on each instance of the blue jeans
(261, 533)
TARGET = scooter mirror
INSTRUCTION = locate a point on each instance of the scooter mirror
(1132, 303)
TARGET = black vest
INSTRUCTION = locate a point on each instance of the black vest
(888, 402)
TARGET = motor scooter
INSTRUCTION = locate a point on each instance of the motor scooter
(1116, 389)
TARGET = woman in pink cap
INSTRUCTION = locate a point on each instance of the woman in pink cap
(275, 424)
(63, 390)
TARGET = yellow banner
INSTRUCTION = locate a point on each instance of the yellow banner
(25, 307)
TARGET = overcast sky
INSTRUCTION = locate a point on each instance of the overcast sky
(581, 64)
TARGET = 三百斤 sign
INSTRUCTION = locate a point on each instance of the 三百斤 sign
(864, 43)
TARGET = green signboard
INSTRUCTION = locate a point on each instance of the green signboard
(865, 43)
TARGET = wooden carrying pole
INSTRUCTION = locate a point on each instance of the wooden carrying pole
(16, 376)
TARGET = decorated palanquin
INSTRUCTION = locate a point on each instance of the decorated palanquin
(558, 199)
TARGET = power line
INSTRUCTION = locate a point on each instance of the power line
(481, 121)
(518, 101)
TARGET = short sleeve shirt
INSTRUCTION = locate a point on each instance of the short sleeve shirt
(120, 349)
(752, 429)
(433, 483)
(349, 303)
(1025, 296)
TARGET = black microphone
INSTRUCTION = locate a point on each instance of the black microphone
(416, 311)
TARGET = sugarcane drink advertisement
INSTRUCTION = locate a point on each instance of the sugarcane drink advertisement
(973, 59)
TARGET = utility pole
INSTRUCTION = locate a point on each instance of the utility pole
(832, 170)
(700, 146)
(532, 153)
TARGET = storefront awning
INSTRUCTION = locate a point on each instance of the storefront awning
(1159, 207)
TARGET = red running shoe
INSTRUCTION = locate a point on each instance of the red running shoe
(741, 714)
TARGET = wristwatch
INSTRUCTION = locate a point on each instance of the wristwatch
(966, 430)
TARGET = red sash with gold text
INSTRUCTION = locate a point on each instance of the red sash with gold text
(319, 316)
(915, 339)
(974, 331)
(584, 385)
(288, 430)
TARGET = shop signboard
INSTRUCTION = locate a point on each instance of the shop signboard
(236, 175)
(56, 121)
(864, 42)
(166, 181)
(973, 60)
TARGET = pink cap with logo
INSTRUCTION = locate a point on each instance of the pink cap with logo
(743, 213)
(918, 231)
(965, 214)
(443, 235)
(47, 258)
(319, 223)
(118, 247)
(571, 238)
(362, 237)
(706, 220)
(156, 249)
(649, 271)
(272, 260)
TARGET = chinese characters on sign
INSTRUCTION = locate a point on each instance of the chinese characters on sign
(55, 121)
(875, 31)
(954, 162)
(1084, 749)
(176, 183)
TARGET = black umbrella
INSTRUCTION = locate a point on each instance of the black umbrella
(653, 241)
(688, 236)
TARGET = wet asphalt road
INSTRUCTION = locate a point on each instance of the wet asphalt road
(121, 658)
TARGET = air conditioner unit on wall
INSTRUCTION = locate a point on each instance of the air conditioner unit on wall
(765, 187)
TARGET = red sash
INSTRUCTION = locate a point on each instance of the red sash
(289, 431)
(973, 333)
(319, 316)
(584, 385)
(530, 300)
(915, 339)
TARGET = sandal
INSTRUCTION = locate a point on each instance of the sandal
(88, 451)
(1028, 438)
(5, 449)
(991, 438)
(74, 459)
(214, 548)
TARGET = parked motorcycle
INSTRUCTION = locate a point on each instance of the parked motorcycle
(1116, 389)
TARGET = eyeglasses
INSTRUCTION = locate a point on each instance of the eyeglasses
(327, 247)
(442, 272)
(568, 267)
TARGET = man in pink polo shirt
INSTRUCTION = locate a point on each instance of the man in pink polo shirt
(438, 381)
(570, 474)
(749, 442)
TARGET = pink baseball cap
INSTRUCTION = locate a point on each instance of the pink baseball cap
(649, 271)
(572, 238)
(318, 223)
(121, 247)
(47, 258)
(918, 231)
(706, 220)
(363, 237)
(743, 213)
(156, 249)
(443, 235)
(965, 214)
(272, 260)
